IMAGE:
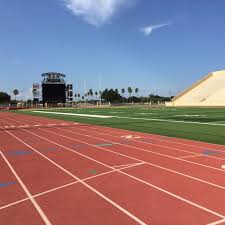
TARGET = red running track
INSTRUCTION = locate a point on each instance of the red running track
(64, 173)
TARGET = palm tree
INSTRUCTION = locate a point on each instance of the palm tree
(123, 91)
(116, 90)
(78, 95)
(75, 95)
(96, 93)
(136, 91)
(91, 92)
(15, 92)
(129, 89)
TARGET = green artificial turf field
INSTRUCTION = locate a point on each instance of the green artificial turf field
(204, 124)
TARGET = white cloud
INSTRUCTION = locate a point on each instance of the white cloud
(96, 12)
(149, 29)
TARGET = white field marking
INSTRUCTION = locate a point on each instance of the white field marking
(170, 121)
(24, 126)
(217, 222)
(38, 208)
(9, 127)
(149, 143)
(220, 122)
(131, 118)
(74, 114)
(189, 115)
(67, 185)
(151, 164)
(130, 137)
(83, 182)
(133, 177)
(223, 167)
(144, 113)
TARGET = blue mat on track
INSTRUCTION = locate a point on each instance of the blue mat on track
(2, 185)
(19, 152)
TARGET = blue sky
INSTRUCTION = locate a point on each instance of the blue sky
(88, 39)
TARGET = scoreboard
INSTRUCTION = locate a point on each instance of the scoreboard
(53, 88)
(54, 93)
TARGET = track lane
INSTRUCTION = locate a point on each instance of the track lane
(204, 214)
(210, 174)
(219, 159)
(10, 190)
(109, 201)
(29, 195)
(48, 136)
(21, 214)
(166, 143)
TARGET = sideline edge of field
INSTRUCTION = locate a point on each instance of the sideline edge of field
(131, 118)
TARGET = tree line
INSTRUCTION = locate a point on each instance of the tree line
(118, 96)
(107, 95)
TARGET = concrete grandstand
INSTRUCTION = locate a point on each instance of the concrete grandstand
(209, 91)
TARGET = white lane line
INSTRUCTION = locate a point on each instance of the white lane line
(133, 177)
(142, 181)
(223, 167)
(175, 196)
(14, 203)
(162, 146)
(66, 185)
(38, 208)
(160, 167)
(74, 114)
(131, 164)
(135, 139)
(160, 189)
(217, 222)
(151, 164)
(150, 136)
(134, 147)
(85, 184)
